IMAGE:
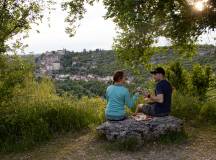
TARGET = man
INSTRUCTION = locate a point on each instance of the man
(159, 104)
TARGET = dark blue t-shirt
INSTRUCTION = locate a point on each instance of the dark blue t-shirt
(163, 87)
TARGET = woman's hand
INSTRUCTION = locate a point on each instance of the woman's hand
(146, 94)
(139, 90)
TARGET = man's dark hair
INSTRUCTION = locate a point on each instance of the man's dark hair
(118, 76)
(158, 70)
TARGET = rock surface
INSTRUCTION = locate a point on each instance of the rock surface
(140, 129)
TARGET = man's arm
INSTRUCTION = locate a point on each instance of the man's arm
(159, 98)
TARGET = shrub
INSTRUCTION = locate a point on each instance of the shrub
(13, 71)
(31, 112)
(81, 88)
(201, 78)
(190, 108)
(195, 82)
(178, 77)
(185, 107)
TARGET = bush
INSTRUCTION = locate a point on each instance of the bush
(185, 107)
(31, 112)
(178, 77)
(195, 82)
(81, 88)
(13, 71)
(201, 78)
(190, 108)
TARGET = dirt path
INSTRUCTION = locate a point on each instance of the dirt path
(86, 147)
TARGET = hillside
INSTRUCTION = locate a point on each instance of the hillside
(81, 72)
(99, 62)
(103, 63)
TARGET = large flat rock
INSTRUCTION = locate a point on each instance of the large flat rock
(141, 129)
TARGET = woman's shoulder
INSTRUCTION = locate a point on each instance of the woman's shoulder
(122, 87)
(110, 86)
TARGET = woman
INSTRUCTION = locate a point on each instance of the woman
(117, 97)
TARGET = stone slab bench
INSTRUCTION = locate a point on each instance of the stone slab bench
(141, 129)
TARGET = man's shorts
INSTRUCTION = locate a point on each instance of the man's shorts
(149, 109)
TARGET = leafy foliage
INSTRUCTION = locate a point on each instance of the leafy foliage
(16, 17)
(178, 77)
(81, 88)
(31, 111)
(24, 125)
(13, 72)
(195, 82)
(191, 109)
(185, 107)
(208, 113)
(142, 22)
(201, 77)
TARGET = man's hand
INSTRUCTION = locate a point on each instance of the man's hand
(148, 100)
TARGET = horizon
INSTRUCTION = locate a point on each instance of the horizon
(93, 50)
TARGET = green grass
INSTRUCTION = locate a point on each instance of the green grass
(173, 138)
(194, 111)
(211, 94)
(185, 107)
(22, 127)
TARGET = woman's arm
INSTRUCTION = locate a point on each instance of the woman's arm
(130, 101)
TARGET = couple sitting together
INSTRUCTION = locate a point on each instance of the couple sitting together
(118, 97)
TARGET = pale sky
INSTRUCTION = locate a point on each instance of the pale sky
(94, 32)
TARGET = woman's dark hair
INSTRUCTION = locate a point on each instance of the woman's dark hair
(118, 76)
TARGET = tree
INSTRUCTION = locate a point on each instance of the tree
(16, 16)
(201, 79)
(142, 21)
(13, 71)
(178, 77)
